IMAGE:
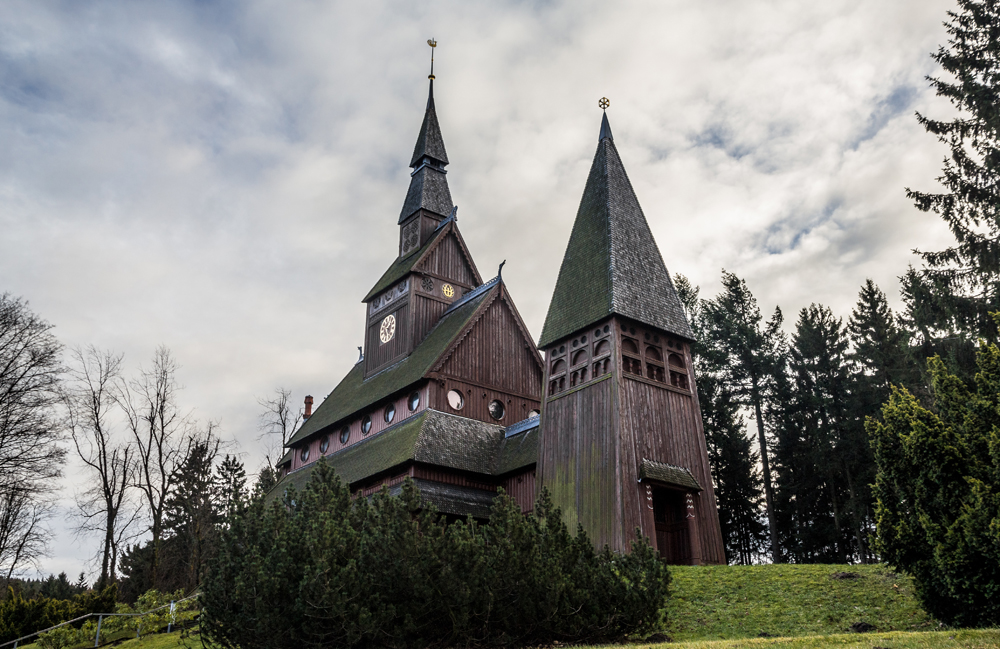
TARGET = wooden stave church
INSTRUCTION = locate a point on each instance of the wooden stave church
(452, 392)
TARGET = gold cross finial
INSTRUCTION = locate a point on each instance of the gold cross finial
(433, 43)
(604, 103)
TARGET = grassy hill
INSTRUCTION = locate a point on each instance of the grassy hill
(721, 602)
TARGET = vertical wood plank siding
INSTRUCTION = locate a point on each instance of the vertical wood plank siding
(662, 421)
(426, 313)
(521, 488)
(595, 433)
(578, 460)
(496, 354)
(378, 355)
(446, 260)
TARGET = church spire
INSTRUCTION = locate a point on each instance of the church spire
(612, 263)
(428, 185)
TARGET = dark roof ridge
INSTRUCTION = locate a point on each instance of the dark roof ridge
(471, 295)
(522, 426)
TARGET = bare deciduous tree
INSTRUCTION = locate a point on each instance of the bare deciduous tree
(160, 432)
(278, 421)
(104, 505)
(30, 458)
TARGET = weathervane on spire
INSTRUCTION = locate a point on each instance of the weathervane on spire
(433, 43)
(603, 103)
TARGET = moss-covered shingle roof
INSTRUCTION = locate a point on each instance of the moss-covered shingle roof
(668, 474)
(354, 393)
(518, 451)
(430, 437)
(612, 263)
(403, 265)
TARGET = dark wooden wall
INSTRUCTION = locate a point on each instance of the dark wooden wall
(496, 354)
(578, 460)
(378, 355)
(446, 261)
(521, 487)
(597, 428)
(665, 426)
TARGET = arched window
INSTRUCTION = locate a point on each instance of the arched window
(603, 347)
(558, 367)
(653, 354)
(675, 360)
(629, 346)
(579, 357)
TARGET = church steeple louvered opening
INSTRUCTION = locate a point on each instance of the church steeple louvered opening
(612, 264)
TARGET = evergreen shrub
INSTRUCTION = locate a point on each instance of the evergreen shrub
(938, 491)
(320, 569)
(20, 616)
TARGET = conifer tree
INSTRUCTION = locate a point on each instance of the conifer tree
(959, 286)
(821, 460)
(748, 352)
(738, 484)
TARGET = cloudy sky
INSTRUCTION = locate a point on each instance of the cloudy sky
(224, 178)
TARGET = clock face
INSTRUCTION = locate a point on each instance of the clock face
(388, 328)
(448, 290)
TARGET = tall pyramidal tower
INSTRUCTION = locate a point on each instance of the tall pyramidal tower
(622, 444)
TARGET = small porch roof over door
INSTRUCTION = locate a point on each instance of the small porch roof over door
(668, 474)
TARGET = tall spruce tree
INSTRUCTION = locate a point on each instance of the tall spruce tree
(950, 298)
(821, 465)
(738, 485)
(747, 350)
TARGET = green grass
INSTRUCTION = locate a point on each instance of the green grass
(964, 639)
(726, 602)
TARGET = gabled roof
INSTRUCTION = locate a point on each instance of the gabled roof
(432, 437)
(403, 265)
(354, 393)
(612, 263)
(429, 141)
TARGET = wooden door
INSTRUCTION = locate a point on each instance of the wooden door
(673, 540)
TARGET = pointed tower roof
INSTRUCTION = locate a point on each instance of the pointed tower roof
(428, 184)
(429, 142)
(612, 264)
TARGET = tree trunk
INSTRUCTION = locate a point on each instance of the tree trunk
(768, 492)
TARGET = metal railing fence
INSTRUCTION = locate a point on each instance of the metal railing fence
(100, 618)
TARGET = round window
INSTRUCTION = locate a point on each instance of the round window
(414, 402)
(366, 425)
(496, 409)
(324, 444)
(304, 455)
(345, 434)
(534, 413)
(390, 413)
(455, 399)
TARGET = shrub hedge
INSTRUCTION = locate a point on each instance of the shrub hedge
(320, 569)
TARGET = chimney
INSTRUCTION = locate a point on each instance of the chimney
(309, 408)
